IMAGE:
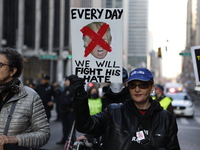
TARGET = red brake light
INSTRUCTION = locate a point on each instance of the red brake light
(180, 89)
(172, 90)
(90, 84)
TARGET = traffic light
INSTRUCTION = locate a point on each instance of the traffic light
(159, 52)
(69, 56)
(166, 48)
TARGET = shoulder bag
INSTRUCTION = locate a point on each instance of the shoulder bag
(14, 146)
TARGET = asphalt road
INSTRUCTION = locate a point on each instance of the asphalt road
(189, 128)
(56, 134)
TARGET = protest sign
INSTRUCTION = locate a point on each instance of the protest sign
(96, 35)
(195, 52)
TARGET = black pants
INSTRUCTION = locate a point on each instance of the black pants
(48, 112)
(67, 120)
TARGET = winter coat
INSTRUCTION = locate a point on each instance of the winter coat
(66, 99)
(110, 97)
(29, 122)
(121, 122)
(46, 93)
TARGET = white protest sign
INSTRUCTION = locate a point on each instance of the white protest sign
(96, 35)
(195, 52)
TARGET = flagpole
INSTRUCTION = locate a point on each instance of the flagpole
(72, 130)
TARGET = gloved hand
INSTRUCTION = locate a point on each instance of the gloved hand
(77, 84)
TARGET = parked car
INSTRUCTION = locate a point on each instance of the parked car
(183, 104)
(174, 87)
(197, 89)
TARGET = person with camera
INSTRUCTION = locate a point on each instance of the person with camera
(139, 123)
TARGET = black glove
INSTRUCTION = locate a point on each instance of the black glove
(77, 84)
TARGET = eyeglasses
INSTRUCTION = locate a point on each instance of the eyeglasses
(143, 85)
(2, 64)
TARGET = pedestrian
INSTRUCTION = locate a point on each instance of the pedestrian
(95, 106)
(23, 121)
(32, 85)
(58, 106)
(66, 110)
(116, 92)
(165, 101)
(94, 101)
(46, 92)
(139, 123)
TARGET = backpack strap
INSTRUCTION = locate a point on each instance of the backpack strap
(9, 117)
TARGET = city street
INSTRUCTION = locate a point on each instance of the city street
(56, 134)
(189, 128)
(188, 134)
(95, 40)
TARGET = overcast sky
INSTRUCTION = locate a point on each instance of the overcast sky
(167, 21)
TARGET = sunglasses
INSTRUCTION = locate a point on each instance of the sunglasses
(143, 85)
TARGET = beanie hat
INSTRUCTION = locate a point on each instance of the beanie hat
(125, 74)
(45, 77)
(159, 87)
(66, 78)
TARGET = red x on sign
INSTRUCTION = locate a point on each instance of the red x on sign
(96, 38)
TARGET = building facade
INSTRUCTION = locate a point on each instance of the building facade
(192, 39)
(40, 30)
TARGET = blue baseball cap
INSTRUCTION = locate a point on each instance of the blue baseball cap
(142, 74)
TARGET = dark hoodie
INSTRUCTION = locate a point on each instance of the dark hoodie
(120, 122)
(144, 121)
(110, 97)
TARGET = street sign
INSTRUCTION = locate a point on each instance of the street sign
(185, 54)
(48, 56)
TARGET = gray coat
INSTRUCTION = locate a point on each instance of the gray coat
(29, 123)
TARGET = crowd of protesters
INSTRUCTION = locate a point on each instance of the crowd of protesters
(62, 97)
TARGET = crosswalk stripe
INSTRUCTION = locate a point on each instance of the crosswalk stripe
(184, 120)
(197, 119)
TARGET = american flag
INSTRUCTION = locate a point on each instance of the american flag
(70, 141)
(68, 145)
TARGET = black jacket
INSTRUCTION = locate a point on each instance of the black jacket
(120, 122)
(46, 92)
(110, 97)
(66, 99)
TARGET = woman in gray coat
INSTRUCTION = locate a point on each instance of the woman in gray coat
(28, 126)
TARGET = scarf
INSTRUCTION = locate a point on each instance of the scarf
(11, 86)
